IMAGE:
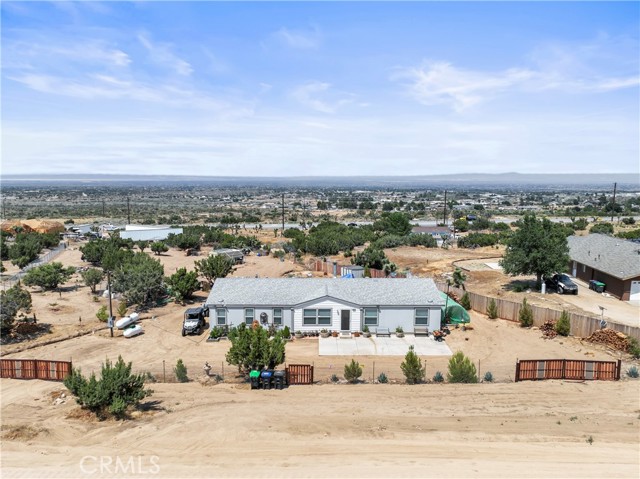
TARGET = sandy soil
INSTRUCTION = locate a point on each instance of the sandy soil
(326, 430)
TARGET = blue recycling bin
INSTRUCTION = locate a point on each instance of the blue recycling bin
(265, 379)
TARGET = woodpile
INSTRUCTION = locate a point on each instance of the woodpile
(549, 329)
(610, 338)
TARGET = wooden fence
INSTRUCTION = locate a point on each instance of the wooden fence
(34, 369)
(581, 326)
(539, 369)
(333, 268)
(299, 374)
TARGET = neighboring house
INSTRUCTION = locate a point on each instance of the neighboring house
(438, 232)
(612, 261)
(235, 255)
(312, 304)
(148, 233)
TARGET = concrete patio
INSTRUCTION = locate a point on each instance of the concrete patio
(382, 346)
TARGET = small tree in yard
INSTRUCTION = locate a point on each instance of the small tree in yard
(525, 316)
(48, 276)
(563, 325)
(214, 267)
(459, 278)
(492, 309)
(12, 301)
(92, 278)
(159, 247)
(112, 394)
(183, 284)
(461, 369)
(465, 301)
(181, 372)
(252, 348)
(122, 308)
(352, 371)
(412, 368)
(537, 247)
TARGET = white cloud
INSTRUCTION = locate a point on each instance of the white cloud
(299, 39)
(441, 83)
(318, 96)
(161, 54)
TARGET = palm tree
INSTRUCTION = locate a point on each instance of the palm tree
(459, 278)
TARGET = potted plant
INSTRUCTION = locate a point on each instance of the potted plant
(334, 334)
(298, 334)
(400, 332)
(365, 331)
(324, 333)
(356, 334)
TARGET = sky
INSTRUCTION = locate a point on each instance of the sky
(320, 89)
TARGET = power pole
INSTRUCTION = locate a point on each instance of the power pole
(282, 213)
(444, 216)
(103, 208)
(613, 201)
(111, 318)
(128, 212)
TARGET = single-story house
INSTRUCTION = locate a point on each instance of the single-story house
(612, 261)
(338, 304)
(148, 233)
(235, 255)
(438, 232)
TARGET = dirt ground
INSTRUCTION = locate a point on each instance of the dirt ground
(326, 430)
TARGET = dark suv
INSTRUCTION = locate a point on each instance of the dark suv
(562, 284)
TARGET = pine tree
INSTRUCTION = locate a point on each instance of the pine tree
(352, 371)
(525, 315)
(465, 301)
(563, 326)
(461, 369)
(181, 372)
(492, 309)
(412, 368)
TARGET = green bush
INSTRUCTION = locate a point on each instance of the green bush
(525, 316)
(382, 378)
(122, 308)
(412, 368)
(352, 371)
(488, 377)
(461, 369)
(112, 394)
(492, 309)
(102, 314)
(181, 372)
(438, 377)
(334, 378)
(632, 372)
(602, 228)
(563, 325)
(286, 332)
(465, 301)
(634, 348)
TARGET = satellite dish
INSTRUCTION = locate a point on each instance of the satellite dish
(264, 318)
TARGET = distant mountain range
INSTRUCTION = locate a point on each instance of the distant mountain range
(466, 180)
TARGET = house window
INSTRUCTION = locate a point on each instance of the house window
(277, 316)
(316, 317)
(248, 316)
(584, 268)
(221, 316)
(421, 317)
(371, 316)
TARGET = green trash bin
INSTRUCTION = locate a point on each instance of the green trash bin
(599, 286)
(254, 376)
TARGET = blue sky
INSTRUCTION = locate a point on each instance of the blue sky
(301, 88)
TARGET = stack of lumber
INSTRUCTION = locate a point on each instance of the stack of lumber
(610, 338)
(549, 329)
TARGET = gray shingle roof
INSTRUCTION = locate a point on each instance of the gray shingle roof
(294, 291)
(614, 256)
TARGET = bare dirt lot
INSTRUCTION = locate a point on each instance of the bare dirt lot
(326, 430)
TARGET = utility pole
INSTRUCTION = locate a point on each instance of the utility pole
(128, 212)
(444, 215)
(111, 318)
(103, 208)
(613, 201)
(282, 213)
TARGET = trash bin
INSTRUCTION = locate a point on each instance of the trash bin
(254, 376)
(598, 286)
(265, 378)
(279, 379)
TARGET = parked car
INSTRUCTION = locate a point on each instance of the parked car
(562, 284)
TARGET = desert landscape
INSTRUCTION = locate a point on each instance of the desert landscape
(207, 428)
